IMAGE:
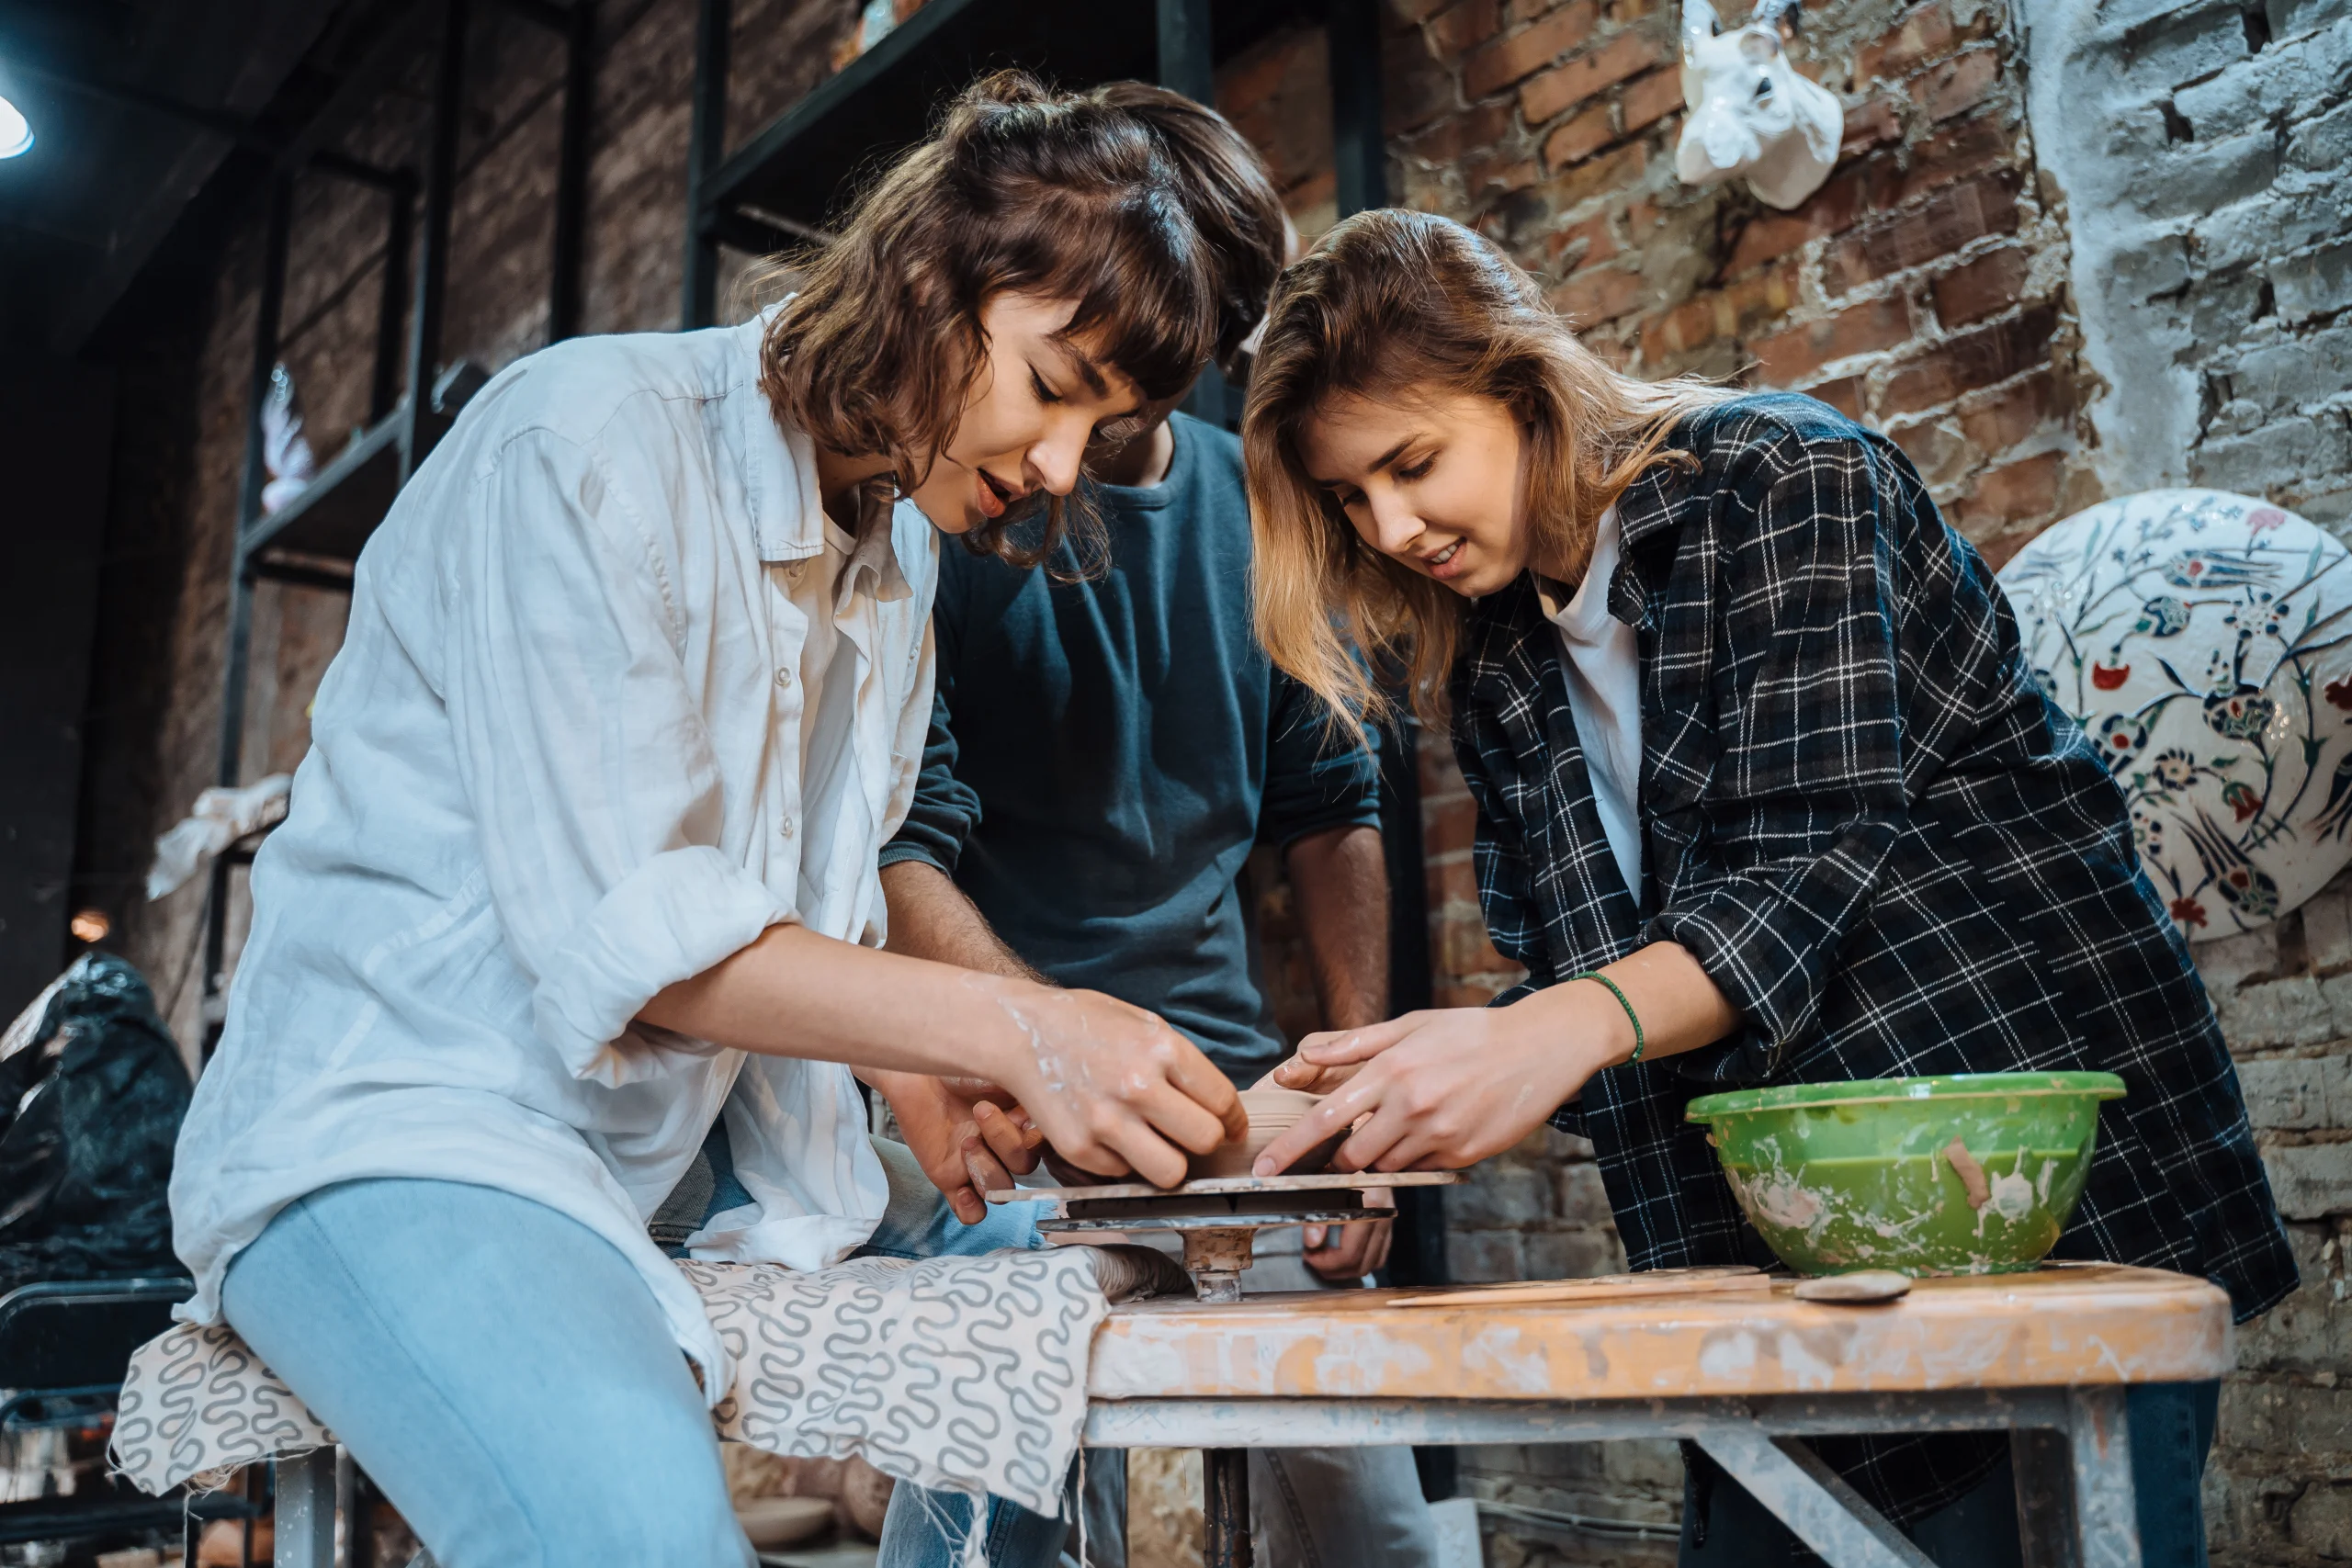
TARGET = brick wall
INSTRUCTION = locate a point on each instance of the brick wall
(155, 741)
(1930, 288)
(2276, 1493)
(2200, 147)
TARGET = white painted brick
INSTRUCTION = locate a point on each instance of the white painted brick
(2291, 1011)
(2285, 1418)
(1580, 1197)
(2337, 992)
(2226, 961)
(2310, 1181)
(2327, 929)
(2286, 1092)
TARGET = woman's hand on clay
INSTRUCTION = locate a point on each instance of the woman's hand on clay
(970, 1137)
(1442, 1090)
(1114, 1088)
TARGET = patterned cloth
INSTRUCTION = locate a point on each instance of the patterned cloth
(1892, 854)
(959, 1375)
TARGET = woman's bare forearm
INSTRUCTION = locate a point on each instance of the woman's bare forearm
(794, 993)
(1680, 1006)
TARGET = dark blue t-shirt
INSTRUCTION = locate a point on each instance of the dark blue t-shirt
(1103, 754)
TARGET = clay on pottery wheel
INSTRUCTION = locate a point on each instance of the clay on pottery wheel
(771, 1522)
(1273, 1113)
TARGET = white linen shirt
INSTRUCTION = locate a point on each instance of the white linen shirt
(1601, 657)
(615, 697)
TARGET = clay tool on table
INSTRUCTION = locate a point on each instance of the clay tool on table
(1605, 1287)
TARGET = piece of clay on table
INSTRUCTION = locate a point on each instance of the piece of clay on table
(1863, 1288)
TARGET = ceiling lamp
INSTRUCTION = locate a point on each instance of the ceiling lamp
(15, 136)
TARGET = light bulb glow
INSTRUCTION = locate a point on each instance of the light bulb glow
(15, 136)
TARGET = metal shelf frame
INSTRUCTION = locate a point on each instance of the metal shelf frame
(314, 538)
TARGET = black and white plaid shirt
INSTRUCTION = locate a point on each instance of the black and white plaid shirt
(1892, 854)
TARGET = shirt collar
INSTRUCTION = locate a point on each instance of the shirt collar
(1583, 615)
(872, 565)
(780, 484)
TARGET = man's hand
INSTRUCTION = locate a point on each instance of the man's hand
(970, 1137)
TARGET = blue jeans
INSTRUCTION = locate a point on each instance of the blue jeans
(504, 1376)
(2172, 1431)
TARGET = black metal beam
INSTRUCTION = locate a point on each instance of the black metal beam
(705, 147)
(1360, 149)
(565, 285)
(297, 575)
(268, 308)
(1188, 64)
(228, 127)
(392, 299)
(748, 231)
(555, 19)
(433, 254)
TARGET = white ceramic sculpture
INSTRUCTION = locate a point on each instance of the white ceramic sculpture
(2204, 642)
(284, 450)
(1750, 112)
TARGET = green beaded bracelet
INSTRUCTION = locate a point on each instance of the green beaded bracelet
(1631, 1017)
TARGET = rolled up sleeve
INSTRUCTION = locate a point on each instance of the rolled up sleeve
(944, 810)
(1317, 777)
(1787, 841)
(592, 779)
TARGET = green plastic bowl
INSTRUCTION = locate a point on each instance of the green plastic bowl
(1971, 1174)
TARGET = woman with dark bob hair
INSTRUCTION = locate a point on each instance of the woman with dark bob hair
(578, 893)
(1766, 795)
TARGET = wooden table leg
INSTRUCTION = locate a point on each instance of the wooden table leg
(1225, 1478)
(2106, 1511)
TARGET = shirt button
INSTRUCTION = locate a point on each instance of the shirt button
(786, 828)
(784, 677)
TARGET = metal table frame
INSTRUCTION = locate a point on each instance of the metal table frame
(2071, 1449)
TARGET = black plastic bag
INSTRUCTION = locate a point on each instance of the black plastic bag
(89, 1111)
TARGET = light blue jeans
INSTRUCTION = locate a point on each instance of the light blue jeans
(504, 1376)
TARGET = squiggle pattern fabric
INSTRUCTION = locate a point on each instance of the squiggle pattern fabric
(961, 1374)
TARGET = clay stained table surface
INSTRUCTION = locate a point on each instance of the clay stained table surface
(2065, 1325)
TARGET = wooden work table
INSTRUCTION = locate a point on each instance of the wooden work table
(1745, 1373)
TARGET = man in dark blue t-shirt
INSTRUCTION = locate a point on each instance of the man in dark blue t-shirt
(1106, 750)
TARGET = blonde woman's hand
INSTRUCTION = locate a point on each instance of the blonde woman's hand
(1442, 1090)
(1296, 1072)
(1114, 1087)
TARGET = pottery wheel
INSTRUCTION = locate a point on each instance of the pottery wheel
(1219, 1216)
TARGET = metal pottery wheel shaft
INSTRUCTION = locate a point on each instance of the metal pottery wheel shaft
(1216, 1259)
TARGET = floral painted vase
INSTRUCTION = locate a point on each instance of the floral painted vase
(2204, 643)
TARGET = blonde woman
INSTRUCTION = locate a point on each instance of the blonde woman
(1766, 795)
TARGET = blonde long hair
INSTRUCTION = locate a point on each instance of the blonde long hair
(1393, 303)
